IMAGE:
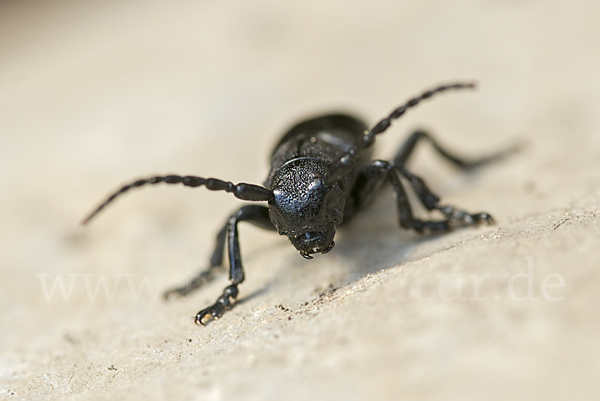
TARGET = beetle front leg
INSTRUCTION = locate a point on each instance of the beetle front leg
(369, 180)
(257, 215)
(431, 201)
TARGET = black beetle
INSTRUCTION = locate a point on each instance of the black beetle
(321, 174)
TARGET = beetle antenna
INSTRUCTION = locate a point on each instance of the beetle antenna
(243, 191)
(346, 163)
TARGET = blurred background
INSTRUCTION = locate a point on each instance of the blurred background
(94, 94)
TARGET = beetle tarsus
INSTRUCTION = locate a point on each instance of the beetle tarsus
(224, 303)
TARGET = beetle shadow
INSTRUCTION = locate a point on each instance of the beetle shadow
(371, 242)
(374, 241)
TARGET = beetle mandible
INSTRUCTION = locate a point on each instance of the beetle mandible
(321, 174)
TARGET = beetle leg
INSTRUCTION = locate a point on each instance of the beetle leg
(370, 179)
(257, 215)
(432, 202)
(408, 147)
(427, 197)
(207, 275)
(405, 212)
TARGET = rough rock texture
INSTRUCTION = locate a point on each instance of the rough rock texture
(97, 93)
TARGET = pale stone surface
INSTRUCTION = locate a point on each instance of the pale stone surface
(96, 93)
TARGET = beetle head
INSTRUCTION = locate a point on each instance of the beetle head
(304, 208)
